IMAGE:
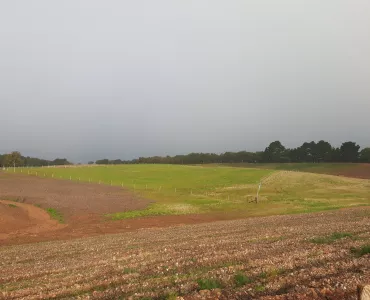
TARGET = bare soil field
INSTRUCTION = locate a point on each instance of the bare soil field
(83, 206)
(305, 256)
(69, 197)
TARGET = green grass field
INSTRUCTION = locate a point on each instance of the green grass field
(218, 189)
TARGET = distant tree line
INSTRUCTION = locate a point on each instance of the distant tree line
(15, 159)
(276, 152)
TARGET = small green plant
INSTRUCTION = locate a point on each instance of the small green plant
(259, 288)
(171, 296)
(208, 284)
(12, 205)
(263, 275)
(363, 250)
(56, 215)
(241, 279)
(331, 238)
(128, 271)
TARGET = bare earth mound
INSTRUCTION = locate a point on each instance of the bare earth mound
(19, 219)
(82, 205)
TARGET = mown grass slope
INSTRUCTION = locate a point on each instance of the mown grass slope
(356, 170)
(196, 189)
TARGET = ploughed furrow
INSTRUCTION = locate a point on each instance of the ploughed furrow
(308, 255)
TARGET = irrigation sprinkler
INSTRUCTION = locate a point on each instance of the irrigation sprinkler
(258, 191)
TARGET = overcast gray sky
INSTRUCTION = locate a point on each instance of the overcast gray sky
(120, 79)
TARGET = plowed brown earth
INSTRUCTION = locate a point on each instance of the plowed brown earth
(276, 256)
(69, 197)
(360, 171)
(83, 206)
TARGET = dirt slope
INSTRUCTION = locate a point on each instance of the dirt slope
(20, 220)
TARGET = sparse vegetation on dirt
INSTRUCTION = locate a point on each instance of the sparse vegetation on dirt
(331, 238)
(156, 263)
(362, 250)
(54, 214)
(241, 279)
(208, 284)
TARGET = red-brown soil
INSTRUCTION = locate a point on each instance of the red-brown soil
(355, 171)
(69, 197)
(83, 206)
(19, 220)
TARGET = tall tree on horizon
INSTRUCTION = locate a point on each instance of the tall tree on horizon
(349, 152)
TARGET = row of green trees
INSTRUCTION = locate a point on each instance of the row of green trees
(15, 159)
(276, 152)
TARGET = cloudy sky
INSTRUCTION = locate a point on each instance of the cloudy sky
(87, 79)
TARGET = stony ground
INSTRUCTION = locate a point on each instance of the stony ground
(305, 256)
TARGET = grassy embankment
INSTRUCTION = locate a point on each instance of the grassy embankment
(219, 189)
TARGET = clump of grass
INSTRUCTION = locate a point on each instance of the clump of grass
(241, 279)
(170, 296)
(56, 215)
(363, 250)
(12, 205)
(259, 288)
(128, 271)
(331, 238)
(262, 275)
(208, 284)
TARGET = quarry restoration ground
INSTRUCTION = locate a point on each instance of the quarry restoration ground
(199, 237)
